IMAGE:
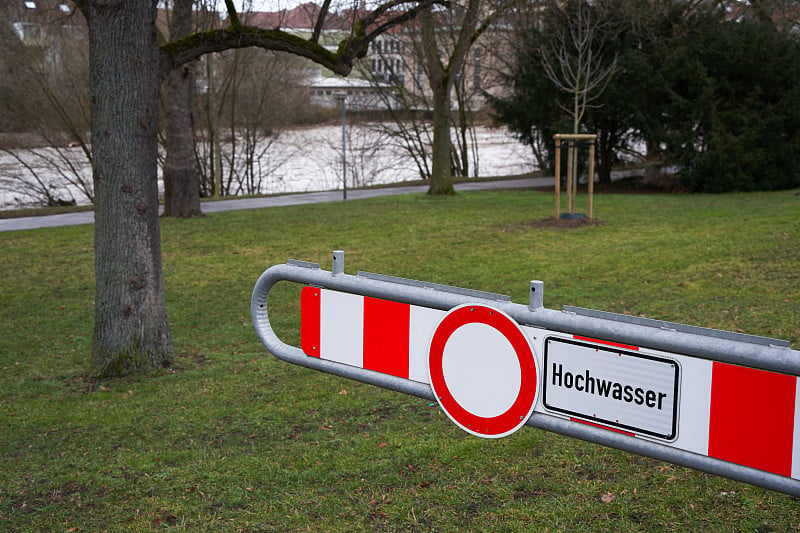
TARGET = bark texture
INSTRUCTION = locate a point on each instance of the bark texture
(131, 332)
(441, 172)
(181, 182)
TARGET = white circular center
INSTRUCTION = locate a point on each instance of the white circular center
(481, 370)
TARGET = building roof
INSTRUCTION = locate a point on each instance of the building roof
(337, 82)
(302, 17)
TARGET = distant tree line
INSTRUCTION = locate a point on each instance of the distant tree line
(715, 95)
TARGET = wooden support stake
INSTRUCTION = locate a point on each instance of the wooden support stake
(558, 175)
(591, 177)
(570, 179)
(572, 170)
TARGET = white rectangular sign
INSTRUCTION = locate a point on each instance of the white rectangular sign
(612, 386)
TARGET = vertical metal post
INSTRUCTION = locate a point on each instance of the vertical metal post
(341, 97)
(338, 262)
(537, 295)
(344, 148)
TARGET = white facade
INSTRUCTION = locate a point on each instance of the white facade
(360, 94)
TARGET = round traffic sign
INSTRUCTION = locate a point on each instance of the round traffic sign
(483, 370)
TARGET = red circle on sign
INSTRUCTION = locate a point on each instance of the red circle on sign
(517, 414)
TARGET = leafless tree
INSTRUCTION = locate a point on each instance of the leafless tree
(574, 59)
(370, 155)
(408, 128)
(437, 76)
(443, 64)
(250, 97)
(128, 65)
(47, 99)
(575, 62)
(49, 175)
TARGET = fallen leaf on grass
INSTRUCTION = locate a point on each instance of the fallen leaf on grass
(608, 497)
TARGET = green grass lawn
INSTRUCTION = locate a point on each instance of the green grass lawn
(232, 439)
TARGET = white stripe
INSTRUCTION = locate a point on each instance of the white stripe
(342, 340)
(341, 329)
(694, 411)
(796, 439)
(422, 324)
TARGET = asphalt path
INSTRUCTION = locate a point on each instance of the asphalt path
(87, 217)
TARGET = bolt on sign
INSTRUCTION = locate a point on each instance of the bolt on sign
(721, 402)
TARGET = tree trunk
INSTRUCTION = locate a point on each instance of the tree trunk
(439, 76)
(605, 155)
(131, 331)
(181, 182)
(215, 144)
(441, 176)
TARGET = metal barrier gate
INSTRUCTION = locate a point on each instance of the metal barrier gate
(720, 402)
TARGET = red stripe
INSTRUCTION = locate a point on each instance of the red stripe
(607, 343)
(752, 418)
(386, 334)
(602, 427)
(310, 320)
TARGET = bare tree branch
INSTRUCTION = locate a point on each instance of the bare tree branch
(237, 35)
(232, 15)
(573, 61)
(321, 17)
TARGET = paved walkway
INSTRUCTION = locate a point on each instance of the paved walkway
(87, 217)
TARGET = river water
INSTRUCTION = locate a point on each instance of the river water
(298, 160)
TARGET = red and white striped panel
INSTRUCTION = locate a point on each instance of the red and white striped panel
(742, 415)
(380, 335)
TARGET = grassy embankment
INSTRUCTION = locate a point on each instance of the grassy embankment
(232, 439)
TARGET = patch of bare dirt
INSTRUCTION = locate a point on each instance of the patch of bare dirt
(564, 223)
